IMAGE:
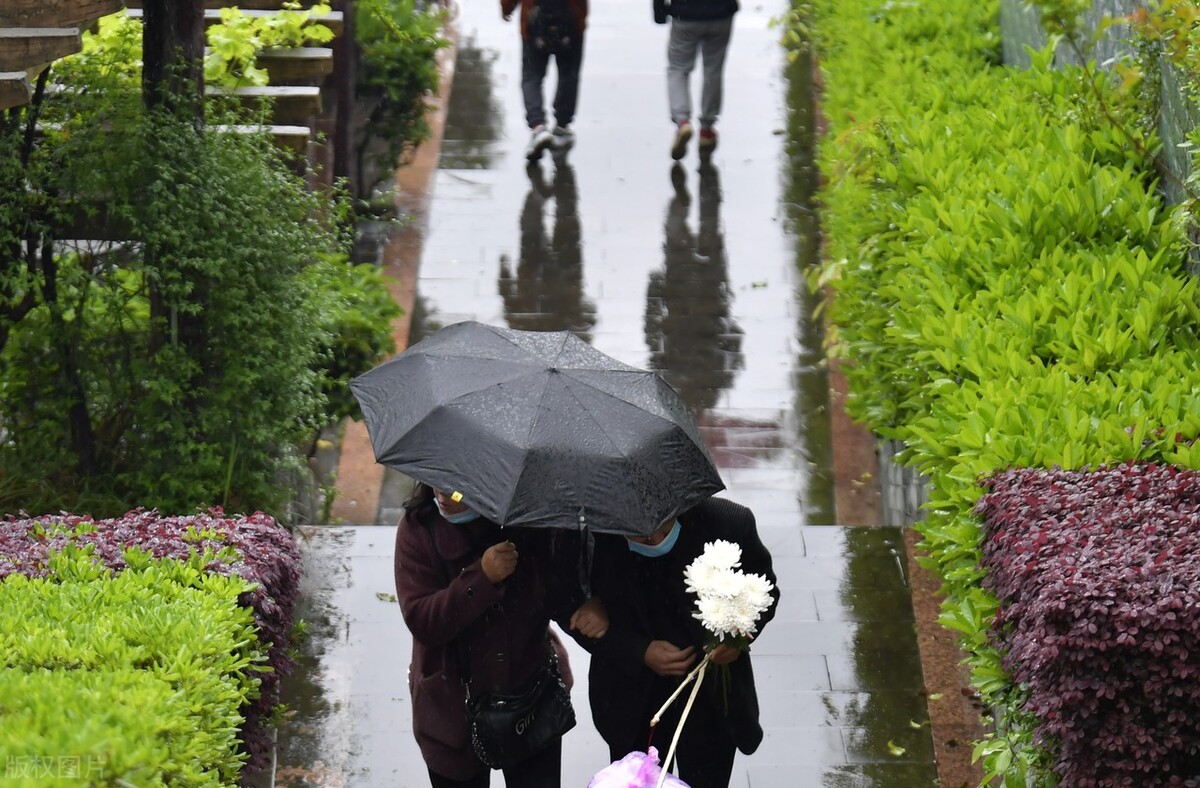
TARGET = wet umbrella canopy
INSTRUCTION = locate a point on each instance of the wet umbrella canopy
(537, 428)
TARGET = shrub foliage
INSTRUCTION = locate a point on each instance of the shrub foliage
(1009, 289)
(181, 359)
(254, 547)
(1098, 577)
(134, 679)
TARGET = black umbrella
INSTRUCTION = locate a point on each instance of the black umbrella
(537, 428)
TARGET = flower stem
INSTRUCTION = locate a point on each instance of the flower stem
(658, 714)
(662, 775)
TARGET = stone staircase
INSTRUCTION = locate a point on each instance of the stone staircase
(35, 33)
(303, 80)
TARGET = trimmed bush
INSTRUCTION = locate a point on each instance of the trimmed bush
(1010, 290)
(254, 547)
(132, 679)
(1098, 577)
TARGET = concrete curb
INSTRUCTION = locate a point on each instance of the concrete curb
(359, 477)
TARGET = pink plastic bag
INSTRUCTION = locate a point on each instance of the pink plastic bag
(635, 770)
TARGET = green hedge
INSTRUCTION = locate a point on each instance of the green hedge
(128, 679)
(1009, 288)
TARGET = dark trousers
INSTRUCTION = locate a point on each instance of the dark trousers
(706, 749)
(534, 63)
(543, 770)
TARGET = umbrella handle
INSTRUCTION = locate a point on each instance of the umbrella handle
(662, 775)
(658, 714)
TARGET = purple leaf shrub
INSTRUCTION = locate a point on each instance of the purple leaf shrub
(268, 556)
(1098, 577)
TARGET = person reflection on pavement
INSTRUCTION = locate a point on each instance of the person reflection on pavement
(692, 339)
(547, 292)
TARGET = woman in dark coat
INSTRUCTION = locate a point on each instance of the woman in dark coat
(476, 595)
(652, 640)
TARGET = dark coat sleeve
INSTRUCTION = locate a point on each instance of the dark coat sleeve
(756, 559)
(436, 607)
(622, 647)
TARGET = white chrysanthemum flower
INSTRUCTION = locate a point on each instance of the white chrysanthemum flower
(716, 615)
(722, 554)
(729, 601)
(725, 583)
(757, 591)
(698, 577)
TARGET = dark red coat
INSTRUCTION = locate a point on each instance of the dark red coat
(447, 601)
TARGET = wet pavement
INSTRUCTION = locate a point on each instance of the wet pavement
(691, 269)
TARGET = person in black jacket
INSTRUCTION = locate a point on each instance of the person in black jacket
(650, 640)
(698, 27)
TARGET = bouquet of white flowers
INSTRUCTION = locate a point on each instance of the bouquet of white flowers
(729, 601)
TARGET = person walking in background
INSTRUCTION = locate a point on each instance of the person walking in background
(643, 637)
(698, 28)
(549, 28)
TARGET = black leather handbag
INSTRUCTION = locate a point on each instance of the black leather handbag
(507, 729)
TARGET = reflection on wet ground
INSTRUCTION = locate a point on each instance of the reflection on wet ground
(694, 269)
(545, 292)
(690, 333)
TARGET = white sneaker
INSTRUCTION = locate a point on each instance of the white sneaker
(564, 138)
(538, 142)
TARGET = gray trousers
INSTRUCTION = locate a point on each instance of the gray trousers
(708, 38)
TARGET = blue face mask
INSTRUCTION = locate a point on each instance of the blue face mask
(656, 550)
(465, 516)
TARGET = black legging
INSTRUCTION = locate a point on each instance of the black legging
(543, 770)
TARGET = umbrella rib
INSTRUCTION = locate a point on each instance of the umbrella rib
(533, 426)
(640, 373)
(512, 341)
(595, 421)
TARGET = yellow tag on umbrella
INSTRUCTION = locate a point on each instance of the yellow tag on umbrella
(456, 496)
